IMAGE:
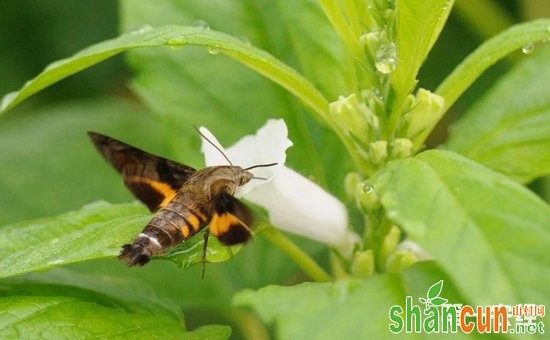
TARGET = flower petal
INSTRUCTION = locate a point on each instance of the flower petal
(299, 206)
(267, 146)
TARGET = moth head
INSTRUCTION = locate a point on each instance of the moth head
(241, 175)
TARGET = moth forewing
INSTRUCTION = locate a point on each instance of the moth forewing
(152, 179)
(185, 200)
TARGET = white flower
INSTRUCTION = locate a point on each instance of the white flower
(294, 203)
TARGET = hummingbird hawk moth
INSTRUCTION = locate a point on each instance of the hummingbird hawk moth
(185, 200)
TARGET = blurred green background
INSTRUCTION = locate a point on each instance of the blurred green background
(48, 166)
(35, 33)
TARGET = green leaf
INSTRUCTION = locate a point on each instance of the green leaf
(475, 222)
(435, 290)
(106, 290)
(157, 288)
(176, 37)
(214, 332)
(65, 317)
(419, 25)
(161, 286)
(507, 130)
(488, 54)
(346, 309)
(96, 231)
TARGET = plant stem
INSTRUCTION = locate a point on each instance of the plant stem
(248, 322)
(304, 261)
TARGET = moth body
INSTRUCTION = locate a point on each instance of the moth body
(185, 200)
(189, 211)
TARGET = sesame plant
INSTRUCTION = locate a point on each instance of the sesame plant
(359, 211)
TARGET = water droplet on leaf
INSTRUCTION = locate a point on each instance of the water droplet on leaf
(177, 43)
(367, 198)
(8, 99)
(55, 262)
(528, 49)
(386, 58)
(141, 29)
(202, 25)
(214, 49)
(244, 39)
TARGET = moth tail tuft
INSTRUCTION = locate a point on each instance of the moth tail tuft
(135, 254)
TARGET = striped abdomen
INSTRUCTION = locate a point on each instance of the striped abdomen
(178, 221)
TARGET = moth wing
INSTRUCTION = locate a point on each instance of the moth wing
(231, 221)
(152, 179)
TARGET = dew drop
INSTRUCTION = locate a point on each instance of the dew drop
(55, 262)
(141, 29)
(8, 99)
(214, 49)
(202, 25)
(386, 58)
(245, 40)
(177, 43)
(528, 49)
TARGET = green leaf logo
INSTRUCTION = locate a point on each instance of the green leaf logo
(435, 290)
(432, 298)
(439, 301)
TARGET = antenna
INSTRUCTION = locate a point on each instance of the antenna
(214, 145)
(260, 166)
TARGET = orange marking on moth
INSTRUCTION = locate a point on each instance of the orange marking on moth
(185, 231)
(221, 224)
(194, 221)
(162, 188)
